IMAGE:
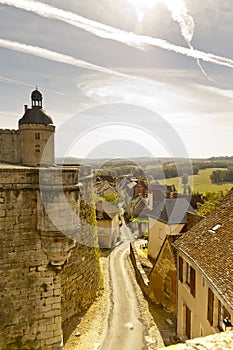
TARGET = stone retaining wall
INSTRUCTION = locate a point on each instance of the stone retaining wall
(141, 276)
(46, 276)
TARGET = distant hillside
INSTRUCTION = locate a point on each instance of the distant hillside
(156, 167)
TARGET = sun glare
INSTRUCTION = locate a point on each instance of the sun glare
(142, 6)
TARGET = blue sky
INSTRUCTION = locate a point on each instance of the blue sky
(142, 73)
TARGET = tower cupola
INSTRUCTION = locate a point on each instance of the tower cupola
(36, 98)
(36, 114)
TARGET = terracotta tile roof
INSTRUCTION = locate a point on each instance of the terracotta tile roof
(209, 244)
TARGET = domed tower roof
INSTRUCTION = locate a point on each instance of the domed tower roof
(36, 114)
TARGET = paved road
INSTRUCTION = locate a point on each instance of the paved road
(125, 330)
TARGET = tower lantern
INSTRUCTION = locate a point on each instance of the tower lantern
(36, 98)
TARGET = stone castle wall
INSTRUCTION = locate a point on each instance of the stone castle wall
(9, 146)
(46, 277)
(34, 140)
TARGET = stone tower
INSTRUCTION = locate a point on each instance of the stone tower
(36, 132)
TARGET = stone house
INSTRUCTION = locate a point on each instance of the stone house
(158, 192)
(137, 207)
(127, 189)
(107, 216)
(205, 283)
(168, 218)
(121, 184)
(141, 189)
(163, 276)
(103, 188)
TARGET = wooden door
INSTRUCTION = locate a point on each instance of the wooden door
(188, 323)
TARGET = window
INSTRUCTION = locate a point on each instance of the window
(222, 313)
(210, 307)
(37, 148)
(37, 136)
(167, 286)
(187, 274)
(187, 321)
(215, 228)
(191, 279)
(99, 214)
(180, 269)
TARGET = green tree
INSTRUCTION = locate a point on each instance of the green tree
(211, 200)
(111, 197)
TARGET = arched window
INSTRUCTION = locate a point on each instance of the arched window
(37, 148)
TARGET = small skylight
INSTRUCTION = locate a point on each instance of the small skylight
(215, 228)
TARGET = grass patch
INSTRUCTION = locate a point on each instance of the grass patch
(200, 182)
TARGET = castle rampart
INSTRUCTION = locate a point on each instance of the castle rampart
(9, 146)
(46, 277)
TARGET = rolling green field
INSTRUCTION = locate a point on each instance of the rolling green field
(200, 183)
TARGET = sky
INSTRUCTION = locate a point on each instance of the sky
(122, 78)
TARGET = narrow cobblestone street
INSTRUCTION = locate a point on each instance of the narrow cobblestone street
(120, 319)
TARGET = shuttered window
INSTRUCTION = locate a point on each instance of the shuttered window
(192, 281)
(180, 269)
(210, 309)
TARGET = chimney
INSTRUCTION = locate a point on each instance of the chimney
(25, 108)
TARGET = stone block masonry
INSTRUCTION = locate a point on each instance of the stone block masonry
(46, 277)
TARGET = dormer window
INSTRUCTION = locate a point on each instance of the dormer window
(215, 228)
(99, 215)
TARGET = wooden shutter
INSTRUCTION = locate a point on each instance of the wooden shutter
(192, 281)
(180, 269)
(219, 315)
(210, 310)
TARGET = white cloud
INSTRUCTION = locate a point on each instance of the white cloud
(216, 91)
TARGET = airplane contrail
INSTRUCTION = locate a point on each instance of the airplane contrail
(30, 85)
(179, 13)
(108, 32)
(54, 56)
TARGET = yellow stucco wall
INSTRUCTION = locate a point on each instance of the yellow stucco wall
(200, 325)
(157, 234)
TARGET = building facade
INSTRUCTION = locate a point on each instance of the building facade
(205, 284)
(167, 219)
